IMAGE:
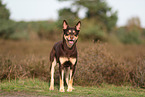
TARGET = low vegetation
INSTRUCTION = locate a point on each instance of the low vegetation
(98, 63)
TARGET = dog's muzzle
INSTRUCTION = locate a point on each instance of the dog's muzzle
(70, 40)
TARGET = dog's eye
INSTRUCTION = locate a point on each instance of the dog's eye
(75, 33)
(67, 32)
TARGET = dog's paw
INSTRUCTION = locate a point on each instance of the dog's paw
(51, 88)
(73, 88)
(69, 89)
(61, 90)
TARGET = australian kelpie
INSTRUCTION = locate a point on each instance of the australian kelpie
(65, 53)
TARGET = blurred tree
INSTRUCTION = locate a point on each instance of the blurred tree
(6, 25)
(132, 36)
(68, 14)
(4, 12)
(97, 10)
(131, 32)
(134, 22)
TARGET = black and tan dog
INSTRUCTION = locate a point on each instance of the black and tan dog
(65, 53)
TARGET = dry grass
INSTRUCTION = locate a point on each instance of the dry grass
(98, 63)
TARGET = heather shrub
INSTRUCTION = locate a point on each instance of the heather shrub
(97, 63)
(137, 75)
(96, 66)
(27, 68)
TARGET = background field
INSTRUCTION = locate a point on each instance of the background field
(99, 63)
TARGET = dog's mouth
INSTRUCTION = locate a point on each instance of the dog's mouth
(71, 42)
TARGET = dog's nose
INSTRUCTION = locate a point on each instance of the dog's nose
(71, 37)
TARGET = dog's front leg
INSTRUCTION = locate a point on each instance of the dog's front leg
(52, 68)
(70, 88)
(61, 70)
(67, 75)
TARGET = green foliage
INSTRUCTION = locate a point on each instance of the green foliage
(99, 24)
(97, 10)
(47, 30)
(129, 36)
(6, 25)
(4, 12)
(100, 11)
(6, 28)
(99, 21)
(29, 30)
(92, 31)
(20, 31)
(67, 14)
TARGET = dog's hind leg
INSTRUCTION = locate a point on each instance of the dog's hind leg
(52, 68)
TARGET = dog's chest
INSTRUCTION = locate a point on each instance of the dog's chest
(65, 59)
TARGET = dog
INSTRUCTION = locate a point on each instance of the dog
(65, 53)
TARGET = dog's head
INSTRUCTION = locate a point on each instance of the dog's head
(71, 33)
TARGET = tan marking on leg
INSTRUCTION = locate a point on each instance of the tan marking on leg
(70, 82)
(63, 59)
(67, 74)
(73, 60)
(52, 74)
(62, 82)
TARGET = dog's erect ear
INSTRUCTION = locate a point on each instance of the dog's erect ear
(65, 24)
(78, 25)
